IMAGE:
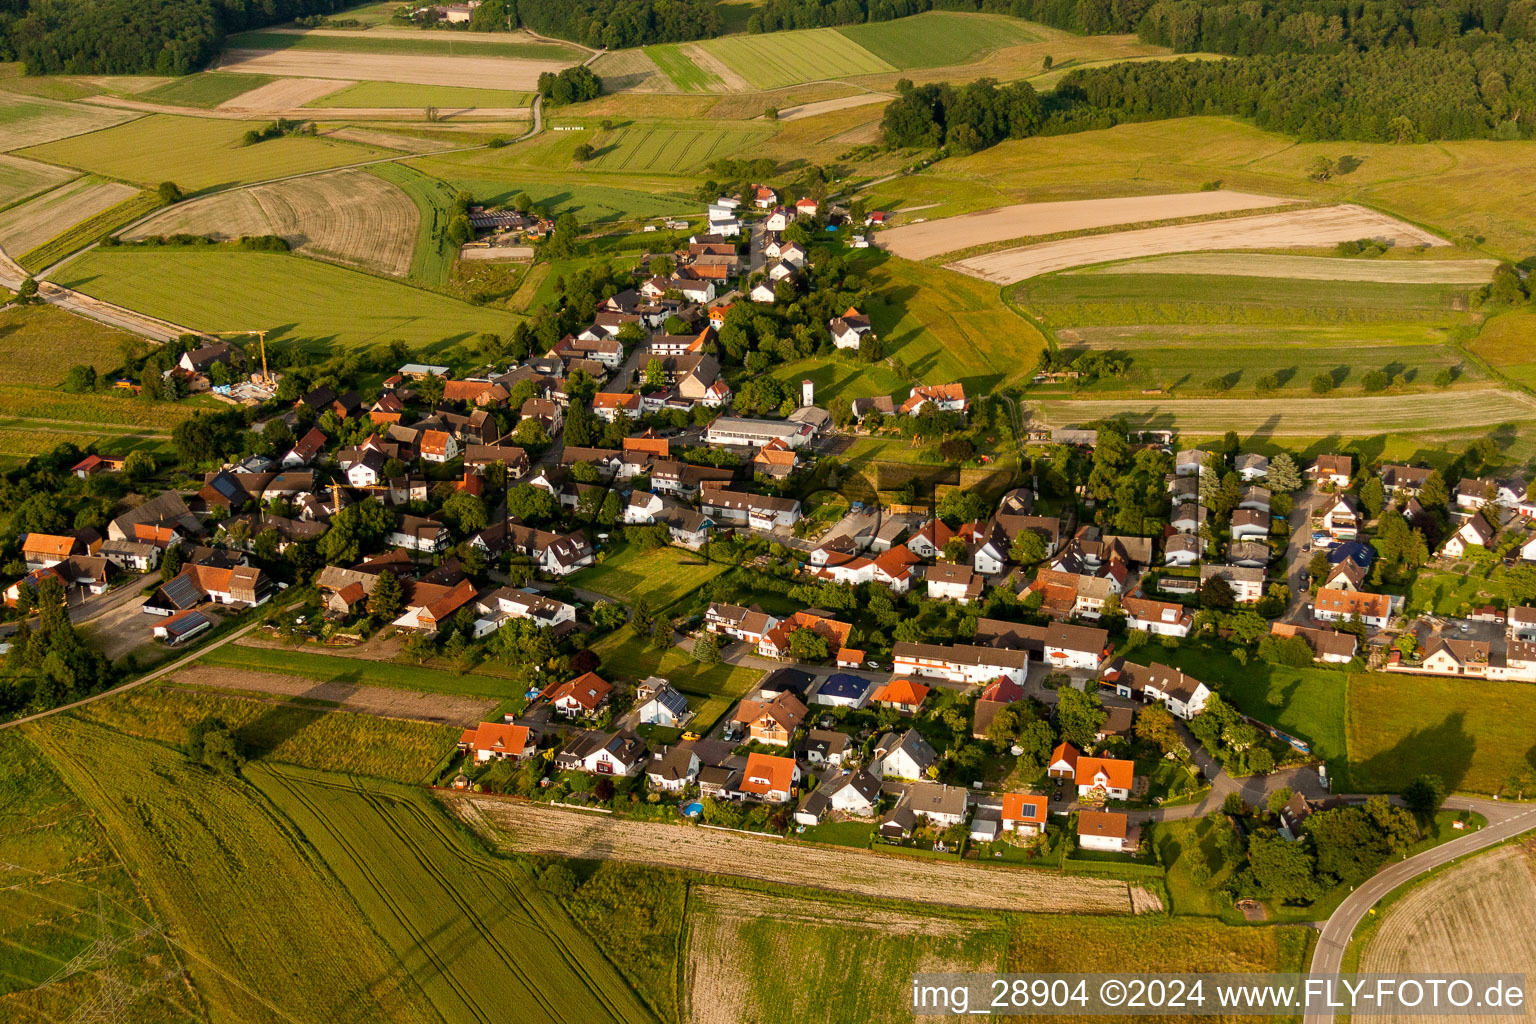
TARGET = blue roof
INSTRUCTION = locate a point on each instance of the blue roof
(843, 684)
(1362, 555)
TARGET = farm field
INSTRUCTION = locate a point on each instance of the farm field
(20, 179)
(1042, 943)
(29, 121)
(280, 94)
(397, 94)
(313, 737)
(311, 304)
(669, 149)
(536, 828)
(919, 241)
(208, 89)
(424, 69)
(1459, 412)
(1313, 227)
(446, 44)
(492, 177)
(938, 39)
(1475, 734)
(1306, 268)
(471, 929)
(382, 701)
(347, 216)
(629, 70)
(673, 60)
(88, 231)
(60, 869)
(776, 958)
(335, 668)
(1505, 342)
(32, 338)
(197, 153)
(711, 689)
(944, 327)
(30, 224)
(88, 411)
(430, 255)
(779, 59)
(660, 577)
(1472, 914)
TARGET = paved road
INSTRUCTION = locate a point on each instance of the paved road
(159, 673)
(1505, 820)
(1296, 555)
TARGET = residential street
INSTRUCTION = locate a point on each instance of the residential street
(1298, 554)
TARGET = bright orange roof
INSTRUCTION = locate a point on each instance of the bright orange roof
(615, 400)
(1023, 807)
(1350, 602)
(767, 773)
(48, 544)
(434, 441)
(588, 689)
(498, 736)
(1102, 823)
(1117, 774)
(901, 691)
(1065, 752)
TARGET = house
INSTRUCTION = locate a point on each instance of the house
(665, 707)
(842, 690)
(941, 397)
(1182, 549)
(585, 695)
(1188, 517)
(433, 604)
(305, 449)
(195, 584)
(746, 624)
(823, 746)
(1104, 778)
(1063, 762)
(1247, 583)
(671, 769)
(805, 207)
(1375, 610)
(757, 511)
(854, 794)
(1060, 645)
(513, 458)
(546, 412)
(1250, 554)
(1407, 481)
(1251, 467)
(438, 446)
(498, 741)
(902, 694)
(602, 753)
(775, 461)
(1068, 594)
(942, 805)
(848, 657)
(1474, 532)
(773, 721)
(607, 405)
(1327, 645)
(849, 329)
(1332, 469)
(907, 756)
(1160, 618)
(1249, 524)
(201, 360)
(1256, 498)
(1343, 518)
(769, 778)
(1118, 721)
(1107, 830)
(1024, 814)
(954, 583)
(93, 464)
(418, 533)
(1475, 492)
(1184, 695)
(1190, 462)
(1295, 812)
(41, 550)
(962, 663)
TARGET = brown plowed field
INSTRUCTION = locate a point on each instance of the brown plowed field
(537, 828)
(284, 94)
(383, 701)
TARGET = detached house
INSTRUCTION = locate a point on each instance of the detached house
(498, 741)
(772, 721)
(1160, 618)
(1024, 813)
(1333, 469)
(1184, 695)
(585, 695)
(747, 624)
(1375, 610)
(849, 329)
(1107, 830)
(1343, 518)
(1104, 778)
(1475, 532)
(770, 778)
(603, 753)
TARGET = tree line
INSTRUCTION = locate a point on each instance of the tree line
(619, 23)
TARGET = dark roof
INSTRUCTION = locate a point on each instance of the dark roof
(843, 684)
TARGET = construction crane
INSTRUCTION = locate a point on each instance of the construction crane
(261, 337)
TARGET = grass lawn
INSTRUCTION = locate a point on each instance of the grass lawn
(840, 377)
(331, 668)
(32, 338)
(946, 327)
(403, 94)
(1305, 702)
(491, 177)
(711, 690)
(482, 44)
(660, 577)
(668, 148)
(208, 89)
(683, 72)
(840, 833)
(1174, 840)
(775, 60)
(1456, 591)
(1066, 943)
(1473, 733)
(1505, 342)
(938, 38)
(307, 303)
(197, 153)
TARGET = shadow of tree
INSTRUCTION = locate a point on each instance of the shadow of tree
(1445, 749)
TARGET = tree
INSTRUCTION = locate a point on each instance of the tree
(169, 192)
(28, 290)
(1216, 593)
(655, 375)
(1321, 168)
(213, 743)
(706, 647)
(1373, 496)
(1282, 869)
(1375, 380)
(1322, 383)
(387, 598)
(584, 152)
(80, 378)
(1283, 474)
(1424, 795)
(1079, 716)
(1155, 725)
(807, 645)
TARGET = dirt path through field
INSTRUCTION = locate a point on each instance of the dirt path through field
(283, 94)
(509, 73)
(328, 114)
(381, 701)
(949, 234)
(1321, 226)
(1309, 268)
(536, 828)
(827, 106)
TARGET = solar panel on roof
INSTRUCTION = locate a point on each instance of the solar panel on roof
(185, 624)
(182, 592)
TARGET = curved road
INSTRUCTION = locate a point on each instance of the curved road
(1504, 821)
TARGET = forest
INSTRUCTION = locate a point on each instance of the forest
(621, 23)
(1387, 95)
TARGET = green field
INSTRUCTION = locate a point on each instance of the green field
(1508, 343)
(197, 153)
(22, 179)
(89, 231)
(403, 94)
(307, 303)
(483, 44)
(843, 377)
(778, 59)
(938, 38)
(109, 409)
(495, 176)
(661, 577)
(711, 690)
(683, 72)
(432, 259)
(1473, 733)
(208, 89)
(33, 337)
(945, 327)
(669, 149)
(366, 671)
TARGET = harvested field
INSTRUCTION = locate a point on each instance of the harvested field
(25, 227)
(827, 106)
(1476, 915)
(32, 120)
(777, 59)
(1327, 225)
(1309, 268)
(534, 828)
(390, 140)
(629, 70)
(1302, 417)
(381, 701)
(485, 72)
(284, 94)
(715, 70)
(404, 96)
(931, 238)
(347, 216)
(20, 178)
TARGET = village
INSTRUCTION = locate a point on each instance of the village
(948, 672)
